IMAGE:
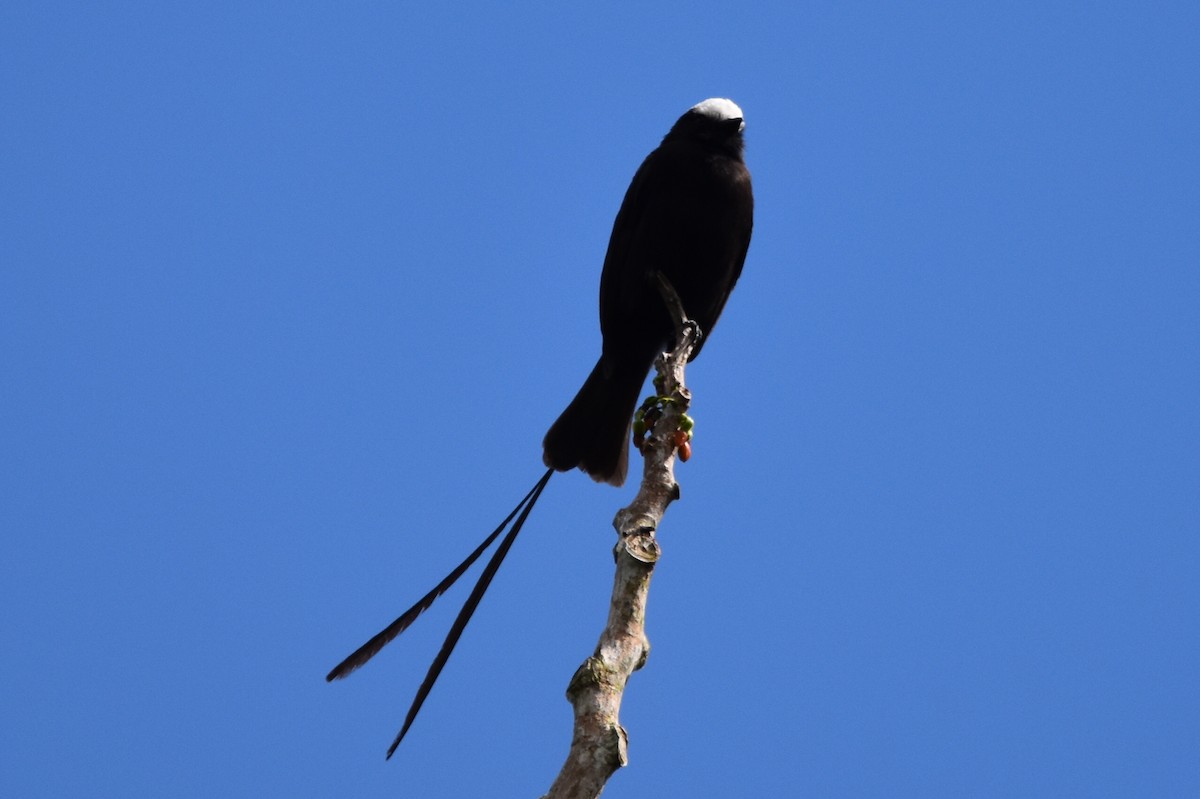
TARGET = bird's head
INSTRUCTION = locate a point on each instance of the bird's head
(716, 120)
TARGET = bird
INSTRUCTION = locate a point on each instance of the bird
(688, 214)
(686, 217)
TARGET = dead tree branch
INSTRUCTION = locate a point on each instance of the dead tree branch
(599, 742)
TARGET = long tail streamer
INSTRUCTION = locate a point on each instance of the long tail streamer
(368, 650)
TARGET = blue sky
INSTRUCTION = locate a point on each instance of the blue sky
(290, 292)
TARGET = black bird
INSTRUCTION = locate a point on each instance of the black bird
(687, 214)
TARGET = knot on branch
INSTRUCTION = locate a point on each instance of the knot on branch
(594, 673)
(642, 547)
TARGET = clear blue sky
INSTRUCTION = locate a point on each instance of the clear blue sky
(289, 294)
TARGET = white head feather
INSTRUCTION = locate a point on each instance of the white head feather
(719, 108)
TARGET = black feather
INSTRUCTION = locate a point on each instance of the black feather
(371, 648)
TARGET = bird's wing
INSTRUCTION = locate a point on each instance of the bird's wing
(642, 203)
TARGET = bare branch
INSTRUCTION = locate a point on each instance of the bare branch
(599, 742)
